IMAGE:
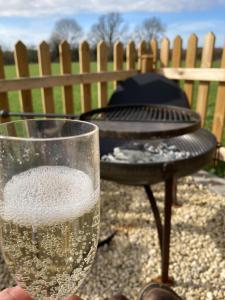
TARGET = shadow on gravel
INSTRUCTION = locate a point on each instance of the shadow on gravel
(215, 228)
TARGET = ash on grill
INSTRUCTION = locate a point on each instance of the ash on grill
(145, 153)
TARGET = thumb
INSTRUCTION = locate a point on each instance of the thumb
(15, 293)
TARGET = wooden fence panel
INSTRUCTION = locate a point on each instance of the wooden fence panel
(154, 51)
(118, 58)
(190, 63)
(66, 68)
(4, 104)
(102, 66)
(206, 62)
(164, 53)
(22, 70)
(44, 61)
(130, 56)
(84, 58)
(141, 51)
(219, 114)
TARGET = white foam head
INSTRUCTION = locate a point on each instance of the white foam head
(47, 195)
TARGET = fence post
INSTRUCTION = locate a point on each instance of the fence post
(164, 53)
(130, 56)
(219, 114)
(146, 63)
(102, 66)
(66, 68)
(22, 70)
(190, 63)
(44, 61)
(141, 51)
(118, 58)
(154, 52)
(177, 51)
(4, 104)
(206, 62)
(84, 58)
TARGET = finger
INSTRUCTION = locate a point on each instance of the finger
(15, 293)
(72, 298)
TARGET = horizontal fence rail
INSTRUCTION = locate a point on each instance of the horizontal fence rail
(88, 78)
(62, 80)
(204, 85)
(192, 74)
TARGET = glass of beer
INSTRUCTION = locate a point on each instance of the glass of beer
(49, 203)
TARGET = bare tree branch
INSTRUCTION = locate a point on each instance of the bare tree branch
(66, 29)
(109, 28)
(149, 29)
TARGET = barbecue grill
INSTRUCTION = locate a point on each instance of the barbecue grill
(120, 124)
(163, 121)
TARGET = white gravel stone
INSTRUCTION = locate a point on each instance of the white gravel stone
(209, 296)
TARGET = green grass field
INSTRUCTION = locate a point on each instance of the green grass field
(10, 72)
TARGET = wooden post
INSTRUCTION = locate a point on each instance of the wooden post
(146, 63)
(130, 55)
(164, 53)
(22, 70)
(141, 51)
(206, 62)
(219, 114)
(190, 63)
(4, 104)
(102, 66)
(84, 58)
(177, 51)
(154, 52)
(44, 61)
(66, 68)
(118, 58)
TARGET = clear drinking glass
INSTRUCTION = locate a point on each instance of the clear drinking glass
(49, 203)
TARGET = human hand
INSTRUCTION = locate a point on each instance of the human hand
(17, 293)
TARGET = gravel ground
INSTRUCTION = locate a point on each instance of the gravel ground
(132, 259)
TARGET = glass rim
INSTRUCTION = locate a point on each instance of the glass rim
(33, 139)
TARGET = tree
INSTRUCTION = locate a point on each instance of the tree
(149, 29)
(64, 29)
(109, 28)
(67, 29)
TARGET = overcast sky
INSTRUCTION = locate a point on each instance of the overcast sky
(32, 21)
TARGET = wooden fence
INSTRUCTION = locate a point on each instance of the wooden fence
(160, 61)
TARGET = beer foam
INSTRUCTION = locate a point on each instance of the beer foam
(47, 195)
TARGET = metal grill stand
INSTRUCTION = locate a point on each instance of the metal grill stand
(117, 124)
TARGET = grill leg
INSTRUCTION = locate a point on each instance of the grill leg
(156, 214)
(169, 196)
(176, 203)
(163, 231)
